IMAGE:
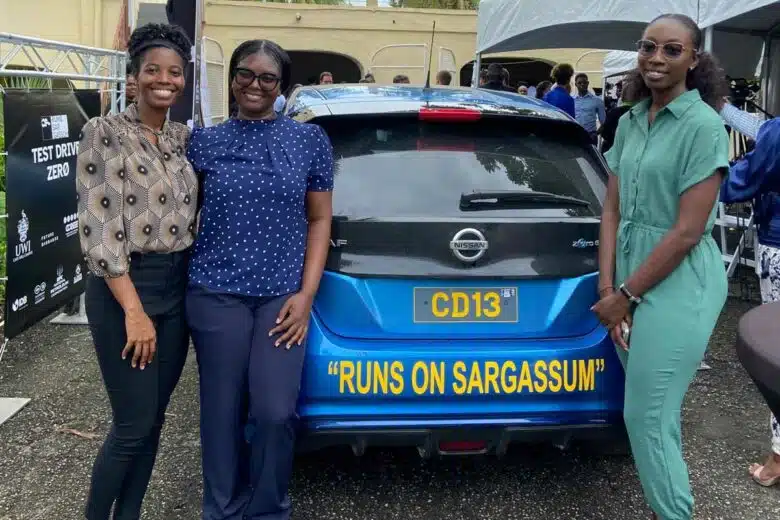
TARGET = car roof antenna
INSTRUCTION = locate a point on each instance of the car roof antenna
(430, 58)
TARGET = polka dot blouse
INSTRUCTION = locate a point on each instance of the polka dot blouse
(253, 225)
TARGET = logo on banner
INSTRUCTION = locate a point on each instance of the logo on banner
(71, 224)
(40, 292)
(19, 304)
(54, 127)
(61, 284)
(24, 248)
(78, 276)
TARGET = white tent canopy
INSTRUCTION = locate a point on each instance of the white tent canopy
(512, 25)
(617, 63)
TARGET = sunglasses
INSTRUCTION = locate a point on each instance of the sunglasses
(266, 81)
(670, 50)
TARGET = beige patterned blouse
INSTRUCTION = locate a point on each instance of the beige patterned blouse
(133, 196)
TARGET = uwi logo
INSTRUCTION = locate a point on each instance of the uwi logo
(23, 227)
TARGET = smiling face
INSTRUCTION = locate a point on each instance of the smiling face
(256, 85)
(666, 54)
(160, 78)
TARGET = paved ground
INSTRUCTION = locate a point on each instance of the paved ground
(44, 467)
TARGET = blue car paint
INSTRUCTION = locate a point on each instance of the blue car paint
(374, 320)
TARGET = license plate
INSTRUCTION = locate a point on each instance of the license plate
(465, 305)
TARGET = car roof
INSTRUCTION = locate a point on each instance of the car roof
(367, 98)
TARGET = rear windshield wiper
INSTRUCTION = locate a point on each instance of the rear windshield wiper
(514, 199)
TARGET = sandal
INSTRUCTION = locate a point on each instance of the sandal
(755, 473)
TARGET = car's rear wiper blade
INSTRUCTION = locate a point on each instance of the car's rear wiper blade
(510, 199)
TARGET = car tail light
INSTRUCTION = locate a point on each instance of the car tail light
(455, 115)
(462, 446)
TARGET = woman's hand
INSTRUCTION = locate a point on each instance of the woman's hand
(616, 333)
(611, 309)
(141, 338)
(293, 320)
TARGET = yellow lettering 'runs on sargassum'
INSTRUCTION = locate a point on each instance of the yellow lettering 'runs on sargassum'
(461, 378)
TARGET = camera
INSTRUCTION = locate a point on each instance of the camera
(742, 90)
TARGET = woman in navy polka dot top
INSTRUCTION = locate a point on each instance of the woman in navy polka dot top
(257, 262)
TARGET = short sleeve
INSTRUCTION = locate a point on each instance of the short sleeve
(195, 148)
(708, 152)
(613, 154)
(100, 186)
(321, 170)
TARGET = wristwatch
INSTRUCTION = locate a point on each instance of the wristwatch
(633, 299)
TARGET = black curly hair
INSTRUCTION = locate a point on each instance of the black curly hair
(268, 48)
(707, 77)
(154, 35)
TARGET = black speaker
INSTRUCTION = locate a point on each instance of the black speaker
(183, 14)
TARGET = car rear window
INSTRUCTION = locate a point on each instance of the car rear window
(403, 167)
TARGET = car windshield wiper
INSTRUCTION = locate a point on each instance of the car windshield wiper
(513, 199)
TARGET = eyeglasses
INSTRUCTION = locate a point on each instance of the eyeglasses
(266, 81)
(671, 50)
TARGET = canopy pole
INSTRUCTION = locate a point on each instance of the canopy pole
(475, 72)
(708, 34)
(765, 73)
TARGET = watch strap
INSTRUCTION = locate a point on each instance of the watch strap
(633, 299)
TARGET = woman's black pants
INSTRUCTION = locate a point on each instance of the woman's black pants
(138, 398)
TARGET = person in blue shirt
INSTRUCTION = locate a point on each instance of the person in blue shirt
(560, 95)
(756, 177)
(256, 266)
(588, 107)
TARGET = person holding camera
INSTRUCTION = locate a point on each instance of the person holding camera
(756, 177)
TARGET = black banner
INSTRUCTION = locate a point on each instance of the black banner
(183, 14)
(43, 257)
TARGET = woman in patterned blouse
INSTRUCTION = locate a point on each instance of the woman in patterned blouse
(264, 236)
(137, 206)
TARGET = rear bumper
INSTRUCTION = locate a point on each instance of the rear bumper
(418, 393)
(486, 439)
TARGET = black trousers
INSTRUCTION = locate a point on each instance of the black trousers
(123, 467)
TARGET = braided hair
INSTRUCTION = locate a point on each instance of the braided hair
(155, 35)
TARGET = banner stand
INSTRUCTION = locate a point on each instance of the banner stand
(95, 69)
(72, 319)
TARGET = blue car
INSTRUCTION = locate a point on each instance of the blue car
(454, 312)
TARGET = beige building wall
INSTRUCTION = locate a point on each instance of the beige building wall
(85, 22)
(361, 33)
(358, 32)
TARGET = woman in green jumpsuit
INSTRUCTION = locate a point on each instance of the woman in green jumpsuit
(661, 271)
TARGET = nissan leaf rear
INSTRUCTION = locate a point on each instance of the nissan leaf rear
(454, 312)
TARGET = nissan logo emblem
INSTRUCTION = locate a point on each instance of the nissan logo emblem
(468, 245)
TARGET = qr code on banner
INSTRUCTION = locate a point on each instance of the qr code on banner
(54, 127)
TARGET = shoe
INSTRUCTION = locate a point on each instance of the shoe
(766, 482)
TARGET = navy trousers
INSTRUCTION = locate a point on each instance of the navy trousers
(248, 394)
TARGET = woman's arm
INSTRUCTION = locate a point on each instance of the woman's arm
(100, 203)
(319, 212)
(293, 320)
(695, 207)
(610, 218)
